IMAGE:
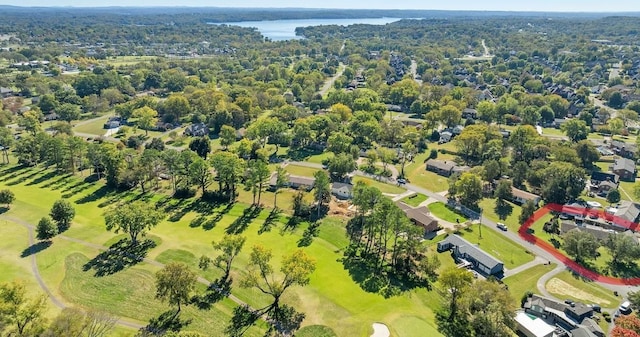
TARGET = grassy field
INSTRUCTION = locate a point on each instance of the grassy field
(418, 175)
(415, 200)
(526, 281)
(337, 301)
(445, 213)
(383, 187)
(507, 215)
(497, 245)
(567, 285)
(95, 127)
(301, 170)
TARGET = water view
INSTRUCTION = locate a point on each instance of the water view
(279, 30)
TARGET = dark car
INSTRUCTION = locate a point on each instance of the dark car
(402, 181)
(502, 226)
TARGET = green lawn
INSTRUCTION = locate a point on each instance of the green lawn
(526, 281)
(442, 211)
(578, 289)
(186, 234)
(418, 175)
(301, 170)
(95, 127)
(500, 247)
(415, 200)
(383, 187)
(507, 215)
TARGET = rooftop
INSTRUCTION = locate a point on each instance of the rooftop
(466, 247)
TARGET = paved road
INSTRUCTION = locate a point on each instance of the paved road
(542, 281)
(59, 303)
(486, 50)
(328, 84)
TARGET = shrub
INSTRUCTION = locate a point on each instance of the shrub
(433, 154)
(435, 136)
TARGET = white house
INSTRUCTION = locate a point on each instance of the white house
(342, 191)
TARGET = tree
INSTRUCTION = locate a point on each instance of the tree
(623, 249)
(200, 174)
(62, 213)
(634, 298)
(282, 178)
(155, 144)
(296, 269)
(174, 284)
(257, 175)
(134, 218)
(229, 168)
(175, 106)
(227, 136)
(503, 191)
(341, 164)
(575, 129)
(7, 197)
(453, 282)
(201, 146)
(74, 322)
(626, 326)
(527, 211)
(322, 192)
(490, 309)
(147, 118)
(587, 153)
(616, 100)
(68, 112)
(562, 182)
(229, 247)
(338, 143)
(580, 244)
(46, 229)
(469, 189)
(21, 316)
(450, 115)
(613, 196)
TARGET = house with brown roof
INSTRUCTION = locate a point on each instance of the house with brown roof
(420, 216)
(442, 167)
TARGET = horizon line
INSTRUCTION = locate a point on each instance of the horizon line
(328, 9)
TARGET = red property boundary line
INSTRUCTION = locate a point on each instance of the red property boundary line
(585, 272)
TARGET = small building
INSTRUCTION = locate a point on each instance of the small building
(625, 169)
(197, 130)
(441, 167)
(532, 326)
(464, 250)
(469, 113)
(293, 181)
(521, 197)
(445, 137)
(342, 190)
(420, 216)
(626, 214)
(573, 319)
(624, 149)
(6, 92)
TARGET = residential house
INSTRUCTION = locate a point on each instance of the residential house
(464, 250)
(599, 233)
(625, 169)
(532, 326)
(342, 190)
(443, 168)
(521, 197)
(469, 113)
(293, 181)
(602, 182)
(197, 130)
(626, 214)
(420, 216)
(624, 149)
(113, 122)
(445, 137)
(6, 92)
(566, 318)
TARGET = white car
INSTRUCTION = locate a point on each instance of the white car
(502, 226)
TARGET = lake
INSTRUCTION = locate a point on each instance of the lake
(279, 30)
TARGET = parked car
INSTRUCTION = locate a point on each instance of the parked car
(502, 226)
(402, 181)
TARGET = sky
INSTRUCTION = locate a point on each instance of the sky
(486, 5)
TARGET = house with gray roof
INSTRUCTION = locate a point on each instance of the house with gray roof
(572, 320)
(6, 92)
(625, 168)
(293, 181)
(462, 249)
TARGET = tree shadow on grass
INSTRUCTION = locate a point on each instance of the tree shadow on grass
(240, 224)
(43, 178)
(624, 269)
(216, 292)
(367, 274)
(35, 248)
(167, 321)
(311, 232)
(96, 195)
(503, 210)
(270, 221)
(119, 256)
(12, 172)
